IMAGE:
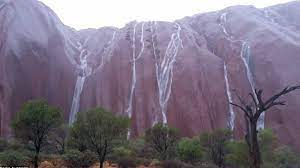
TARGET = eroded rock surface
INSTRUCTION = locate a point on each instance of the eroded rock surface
(180, 73)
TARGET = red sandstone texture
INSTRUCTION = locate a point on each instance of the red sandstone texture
(154, 71)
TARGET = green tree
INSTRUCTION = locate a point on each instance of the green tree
(58, 139)
(215, 145)
(162, 140)
(99, 131)
(190, 150)
(34, 123)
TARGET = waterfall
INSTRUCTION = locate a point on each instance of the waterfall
(164, 69)
(223, 21)
(107, 53)
(231, 112)
(153, 37)
(85, 72)
(267, 14)
(134, 59)
(245, 55)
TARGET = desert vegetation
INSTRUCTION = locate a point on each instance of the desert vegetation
(98, 138)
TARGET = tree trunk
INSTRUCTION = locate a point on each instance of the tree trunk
(36, 159)
(102, 156)
(254, 146)
(101, 163)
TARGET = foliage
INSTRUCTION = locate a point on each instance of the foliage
(58, 139)
(75, 141)
(214, 143)
(125, 156)
(252, 112)
(3, 144)
(267, 143)
(140, 149)
(286, 158)
(122, 152)
(13, 158)
(75, 158)
(101, 130)
(237, 154)
(34, 123)
(190, 150)
(127, 162)
(162, 140)
(175, 164)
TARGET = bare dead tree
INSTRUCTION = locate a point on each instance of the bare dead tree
(252, 111)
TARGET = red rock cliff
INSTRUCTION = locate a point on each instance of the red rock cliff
(180, 73)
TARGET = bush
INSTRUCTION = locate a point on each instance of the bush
(139, 148)
(75, 158)
(127, 162)
(143, 161)
(126, 157)
(17, 145)
(238, 155)
(122, 152)
(163, 141)
(206, 165)
(286, 158)
(154, 163)
(175, 164)
(189, 150)
(214, 144)
(3, 144)
(13, 158)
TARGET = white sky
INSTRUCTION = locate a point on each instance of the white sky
(82, 14)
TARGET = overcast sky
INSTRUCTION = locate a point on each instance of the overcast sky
(82, 14)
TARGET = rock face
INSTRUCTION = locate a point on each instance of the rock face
(180, 73)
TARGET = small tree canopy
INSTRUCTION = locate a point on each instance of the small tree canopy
(214, 143)
(34, 123)
(163, 140)
(99, 131)
(190, 150)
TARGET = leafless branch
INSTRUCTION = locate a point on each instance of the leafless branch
(242, 108)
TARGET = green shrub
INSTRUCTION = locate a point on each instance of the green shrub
(155, 163)
(17, 145)
(286, 158)
(75, 158)
(139, 148)
(163, 140)
(122, 152)
(189, 150)
(143, 161)
(3, 144)
(175, 164)
(13, 158)
(127, 162)
(238, 155)
(206, 165)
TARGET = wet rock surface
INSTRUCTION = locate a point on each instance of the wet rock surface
(180, 73)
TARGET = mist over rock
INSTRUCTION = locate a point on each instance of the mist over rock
(181, 73)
